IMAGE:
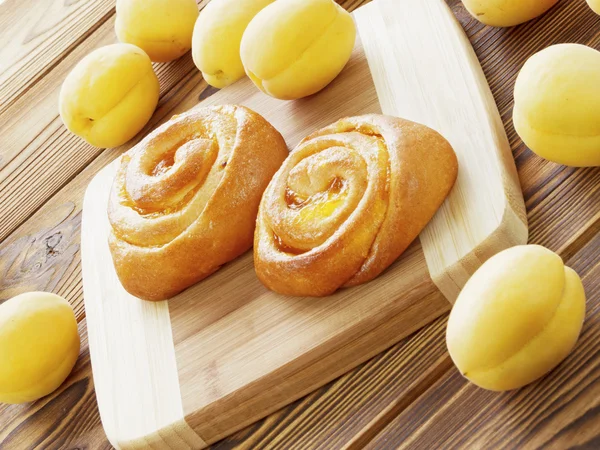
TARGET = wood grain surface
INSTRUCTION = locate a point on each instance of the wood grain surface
(409, 394)
(425, 70)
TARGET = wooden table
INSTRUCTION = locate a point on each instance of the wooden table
(409, 396)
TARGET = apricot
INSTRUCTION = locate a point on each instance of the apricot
(294, 48)
(162, 28)
(39, 345)
(109, 95)
(595, 5)
(217, 37)
(557, 104)
(506, 13)
(516, 319)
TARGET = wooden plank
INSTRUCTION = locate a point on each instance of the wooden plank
(343, 413)
(148, 379)
(35, 35)
(561, 410)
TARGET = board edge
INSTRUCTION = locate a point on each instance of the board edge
(177, 434)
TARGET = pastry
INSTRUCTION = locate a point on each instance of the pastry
(348, 201)
(185, 199)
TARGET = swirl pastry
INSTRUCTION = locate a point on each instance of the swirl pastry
(185, 199)
(348, 201)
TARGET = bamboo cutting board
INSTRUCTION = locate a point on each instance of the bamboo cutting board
(226, 352)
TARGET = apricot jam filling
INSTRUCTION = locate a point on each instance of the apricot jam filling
(313, 208)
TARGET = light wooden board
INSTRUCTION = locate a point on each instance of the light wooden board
(226, 352)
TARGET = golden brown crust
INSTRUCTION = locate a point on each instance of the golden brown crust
(348, 201)
(185, 199)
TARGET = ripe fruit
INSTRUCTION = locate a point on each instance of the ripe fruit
(516, 319)
(162, 28)
(506, 13)
(39, 345)
(595, 5)
(557, 104)
(217, 37)
(294, 48)
(109, 95)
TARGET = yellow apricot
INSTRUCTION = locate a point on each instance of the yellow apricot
(516, 319)
(557, 104)
(217, 37)
(109, 95)
(294, 48)
(595, 5)
(162, 28)
(506, 13)
(39, 345)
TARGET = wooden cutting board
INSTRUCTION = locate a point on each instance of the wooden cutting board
(226, 352)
